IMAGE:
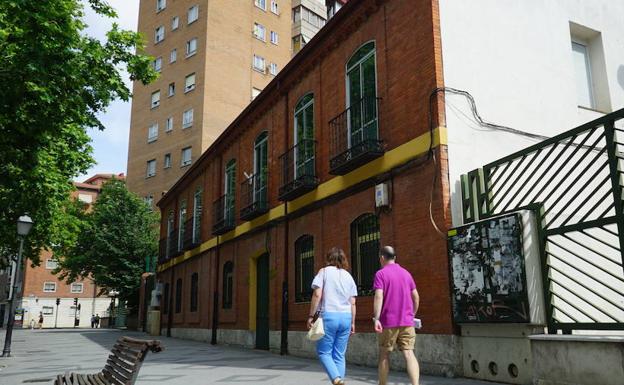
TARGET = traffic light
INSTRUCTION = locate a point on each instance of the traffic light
(75, 301)
(58, 301)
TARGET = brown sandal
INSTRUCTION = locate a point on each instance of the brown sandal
(338, 381)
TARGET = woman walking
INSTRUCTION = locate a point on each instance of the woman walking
(334, 295)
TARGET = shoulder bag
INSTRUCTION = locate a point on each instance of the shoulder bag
(317, 331)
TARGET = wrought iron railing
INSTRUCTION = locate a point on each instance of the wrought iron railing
(254, 196)
(224, 217)
(354, 136)
(298, 166)
(162, 251)
(575, 180)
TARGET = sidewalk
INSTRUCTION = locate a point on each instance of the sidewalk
(39, 355)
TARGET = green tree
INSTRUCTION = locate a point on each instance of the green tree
(55, 80)
(114, 241)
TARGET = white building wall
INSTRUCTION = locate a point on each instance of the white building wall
(515, 58)
(88, 306)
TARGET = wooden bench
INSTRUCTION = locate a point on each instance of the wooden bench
(122, 366)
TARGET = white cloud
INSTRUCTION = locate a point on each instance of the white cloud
(111, 145)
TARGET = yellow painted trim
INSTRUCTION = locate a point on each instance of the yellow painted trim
(393, 158)
(253, 286)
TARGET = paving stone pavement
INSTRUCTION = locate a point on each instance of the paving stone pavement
(38, 355)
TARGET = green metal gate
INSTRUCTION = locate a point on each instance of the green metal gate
(574, 184)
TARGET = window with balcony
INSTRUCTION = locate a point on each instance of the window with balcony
(365, 238)
(169, 124)
(151, 168)
(191, 47)
(194, 292)
(304, 268)
(167, 160)
(225, 206)
(171, 241)
(175, 23)
(181, 227)
(173, 56)
(254, 194)
(274, 37)
(189, 83)
(355, 132)
(259, 32)
(197, 216)
(155, 99)
(187, 157)
(187, 118)
(193, 14)
(298, 163)
(159, 34)
(152, 132)
(259, 63)
(228, 285)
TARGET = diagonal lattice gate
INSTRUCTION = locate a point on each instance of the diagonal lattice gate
(573, 183)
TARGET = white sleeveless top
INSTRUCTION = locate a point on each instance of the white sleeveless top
(338, 290)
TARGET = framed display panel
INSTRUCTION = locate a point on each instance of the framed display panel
(488, 271)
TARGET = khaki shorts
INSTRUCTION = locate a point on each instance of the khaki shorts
(404, 337)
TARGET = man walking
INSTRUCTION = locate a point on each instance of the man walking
(396, 303)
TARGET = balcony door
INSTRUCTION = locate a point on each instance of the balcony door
(304, 137)
(230, 191)
(362, 95)
(261, 154)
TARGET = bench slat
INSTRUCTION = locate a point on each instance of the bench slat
(113, 374)
(128, 351)
(102, 379)
(114, 361)
(124, 356)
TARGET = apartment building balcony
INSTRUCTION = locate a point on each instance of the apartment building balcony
(254, 196)
(298, 170)
(191, 237)
(224, 219)
(162, 251)
(354, 136)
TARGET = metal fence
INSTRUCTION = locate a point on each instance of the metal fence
(573, 181)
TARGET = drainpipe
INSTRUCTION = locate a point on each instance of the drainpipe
(215, 298)
(284, 332)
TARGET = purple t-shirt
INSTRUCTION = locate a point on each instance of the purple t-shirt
(397, 285)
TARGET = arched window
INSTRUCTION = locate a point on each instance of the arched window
(228, 285)
(304, 136)
(230, 192)
(304, 268)
(261, 162)
(164, 305)
(194, 291)
(197, 215)
(178, 296)
(171, 243)
(365, 237)
(362, 95)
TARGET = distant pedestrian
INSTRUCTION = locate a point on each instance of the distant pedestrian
(40, 320)
(97, 320)
(93, 324)
(396, 303)
(334, 295)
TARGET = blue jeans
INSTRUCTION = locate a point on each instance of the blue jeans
(332, 347)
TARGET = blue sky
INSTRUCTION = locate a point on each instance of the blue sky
(111, 145)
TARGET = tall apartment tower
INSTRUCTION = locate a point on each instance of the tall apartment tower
(308, 17)
(214, 57)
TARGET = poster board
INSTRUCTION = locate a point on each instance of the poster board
(488, 271)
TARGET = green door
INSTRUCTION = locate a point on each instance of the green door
(262, 303)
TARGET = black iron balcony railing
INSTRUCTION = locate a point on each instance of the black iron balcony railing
(189, 242)
(224, 219)
(254, 196)
(298, 170)
(162, 251)
(171, 245)
(355, 136)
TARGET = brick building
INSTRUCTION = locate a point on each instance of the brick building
(246, 228)
(41, 288)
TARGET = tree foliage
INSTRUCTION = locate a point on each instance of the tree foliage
(55, 80)
(113, 242)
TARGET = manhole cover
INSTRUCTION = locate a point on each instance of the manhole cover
(36, 380)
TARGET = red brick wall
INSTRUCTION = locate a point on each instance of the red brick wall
(408, 61)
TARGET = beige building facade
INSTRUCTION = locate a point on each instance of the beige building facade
(214, 57)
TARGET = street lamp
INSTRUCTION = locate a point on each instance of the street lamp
(112, 294)
(24, 225)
